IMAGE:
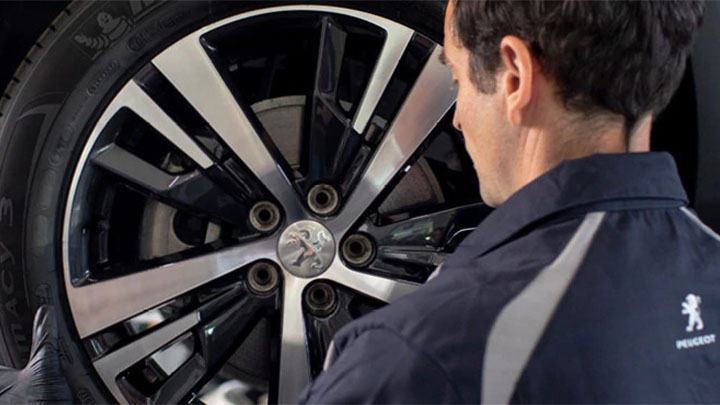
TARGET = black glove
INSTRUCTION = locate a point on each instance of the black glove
(41, 381)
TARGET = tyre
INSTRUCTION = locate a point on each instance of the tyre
(207, 191)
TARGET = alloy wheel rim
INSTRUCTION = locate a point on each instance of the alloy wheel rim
(188, 67)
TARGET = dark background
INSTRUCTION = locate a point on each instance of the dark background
(21, 23)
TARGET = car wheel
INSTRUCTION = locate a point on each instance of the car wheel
(208, 191)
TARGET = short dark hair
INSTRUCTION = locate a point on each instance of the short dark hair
(627, 57)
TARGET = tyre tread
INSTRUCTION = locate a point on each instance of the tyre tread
(36, 52)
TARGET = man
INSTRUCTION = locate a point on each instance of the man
(589, 280)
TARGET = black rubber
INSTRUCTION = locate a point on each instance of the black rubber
(46, 113)
(41, 380)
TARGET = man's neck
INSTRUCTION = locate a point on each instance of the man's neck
(548, 146)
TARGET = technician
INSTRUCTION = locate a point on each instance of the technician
(591, 281)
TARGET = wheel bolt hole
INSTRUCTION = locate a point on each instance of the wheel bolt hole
(320, 299)
(322, 198)
(264, 215)
(319, 296)
(356, 248)
(262, 276)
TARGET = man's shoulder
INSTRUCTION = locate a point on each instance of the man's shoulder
(469, 289)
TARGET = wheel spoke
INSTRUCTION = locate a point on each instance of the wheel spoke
(125, 164)
(431, 97)
(331, 143)
(437, 229)
(294, 361)
(412, 255)
(381, 288)
(221, 332)
(187, 192)
(99, 305)
(134, 98)
(332, 47)
(396, 41)
(322, 329)
(109, 366)
(189, 68)
(131, 167)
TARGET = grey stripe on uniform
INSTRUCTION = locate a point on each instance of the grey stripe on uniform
(521, 323)
(699, 223)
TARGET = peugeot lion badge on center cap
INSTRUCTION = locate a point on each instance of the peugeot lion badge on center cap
(306, 249)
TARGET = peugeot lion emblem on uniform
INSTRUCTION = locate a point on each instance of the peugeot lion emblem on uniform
(691, 307)
(306, 248)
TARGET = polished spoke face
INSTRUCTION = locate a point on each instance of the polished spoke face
(188, 67)
(431, 98)
(294, 362)
(397, 39)
(380, 288)
(356, 116)
(123, 297)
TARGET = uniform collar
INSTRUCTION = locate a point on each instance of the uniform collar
(583, 185)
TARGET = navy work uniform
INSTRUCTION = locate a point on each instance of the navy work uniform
(593, 283)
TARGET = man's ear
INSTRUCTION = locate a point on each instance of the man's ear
(518, 73)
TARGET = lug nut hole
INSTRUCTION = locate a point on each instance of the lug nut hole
(323, 199)
(264, 216)
(358, 250)
(321, 299)
(262, 277)
(318, 296)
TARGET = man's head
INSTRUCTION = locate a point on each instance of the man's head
(540, 82)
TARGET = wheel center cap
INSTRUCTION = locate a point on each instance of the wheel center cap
(306, 249)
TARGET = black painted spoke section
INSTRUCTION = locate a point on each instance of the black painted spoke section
(349, 305)
(228, 173)
(219, 337)
(332, 142)
(411, 257)
(411, 249)
(193, 67)
(406, 73)
(219, 318)
(193, 192)
(129, 228)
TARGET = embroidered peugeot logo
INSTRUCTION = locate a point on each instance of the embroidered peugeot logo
(691, 307)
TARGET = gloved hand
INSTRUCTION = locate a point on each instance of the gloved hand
(41, 381)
